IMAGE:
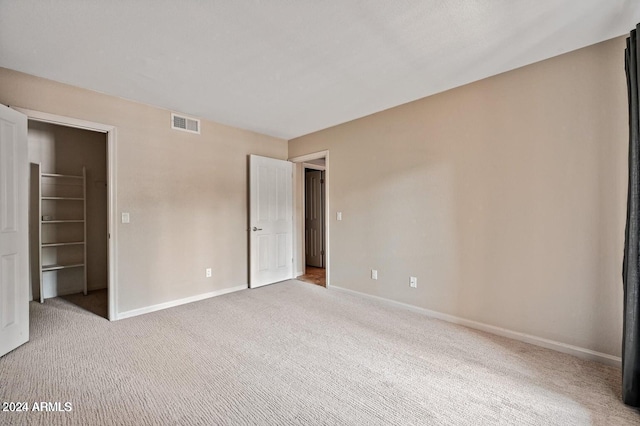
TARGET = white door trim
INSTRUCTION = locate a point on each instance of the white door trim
(112, 239)
(299, 248)
(313, 166)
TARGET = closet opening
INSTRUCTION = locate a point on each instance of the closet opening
(69, 216)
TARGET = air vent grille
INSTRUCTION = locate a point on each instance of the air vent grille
(186, 124)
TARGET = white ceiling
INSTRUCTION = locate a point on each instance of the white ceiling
(287, 68)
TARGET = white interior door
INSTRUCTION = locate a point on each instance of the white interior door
(14, 231)
(270, 221)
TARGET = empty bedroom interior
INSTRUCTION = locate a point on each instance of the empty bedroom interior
(505, 198)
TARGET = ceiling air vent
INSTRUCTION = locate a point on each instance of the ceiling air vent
(186, 124)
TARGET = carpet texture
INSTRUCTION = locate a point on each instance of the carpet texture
(295, 353)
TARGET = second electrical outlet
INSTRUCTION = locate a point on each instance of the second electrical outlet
(413, 282)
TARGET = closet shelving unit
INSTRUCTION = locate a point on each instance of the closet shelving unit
(63, 209)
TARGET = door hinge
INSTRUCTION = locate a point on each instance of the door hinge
(321, 180)
(322, 252)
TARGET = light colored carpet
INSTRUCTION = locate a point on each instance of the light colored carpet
(293, 353)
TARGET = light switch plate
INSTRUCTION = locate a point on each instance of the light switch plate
(413, 282)
(125, 217)
(339, 216)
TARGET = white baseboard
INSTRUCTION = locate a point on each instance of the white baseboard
(577, 351)
(173, 303)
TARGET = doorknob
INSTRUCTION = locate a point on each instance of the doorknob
(256, 229)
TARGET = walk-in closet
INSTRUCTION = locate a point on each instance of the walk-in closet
(68, 215)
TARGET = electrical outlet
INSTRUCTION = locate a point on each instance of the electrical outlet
(208, 272)
(413, 282)
(374, 274)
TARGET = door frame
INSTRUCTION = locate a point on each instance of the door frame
(298, 200)
(112, 235)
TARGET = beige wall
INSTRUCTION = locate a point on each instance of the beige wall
(505, 197)
(66, 150)
(187, 194)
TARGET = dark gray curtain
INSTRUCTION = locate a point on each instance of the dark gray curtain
(631, 262)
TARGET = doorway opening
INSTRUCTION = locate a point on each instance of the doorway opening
(72, 190)
(312, 248)
(314, 241)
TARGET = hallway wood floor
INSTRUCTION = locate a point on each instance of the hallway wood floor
(314, 275)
